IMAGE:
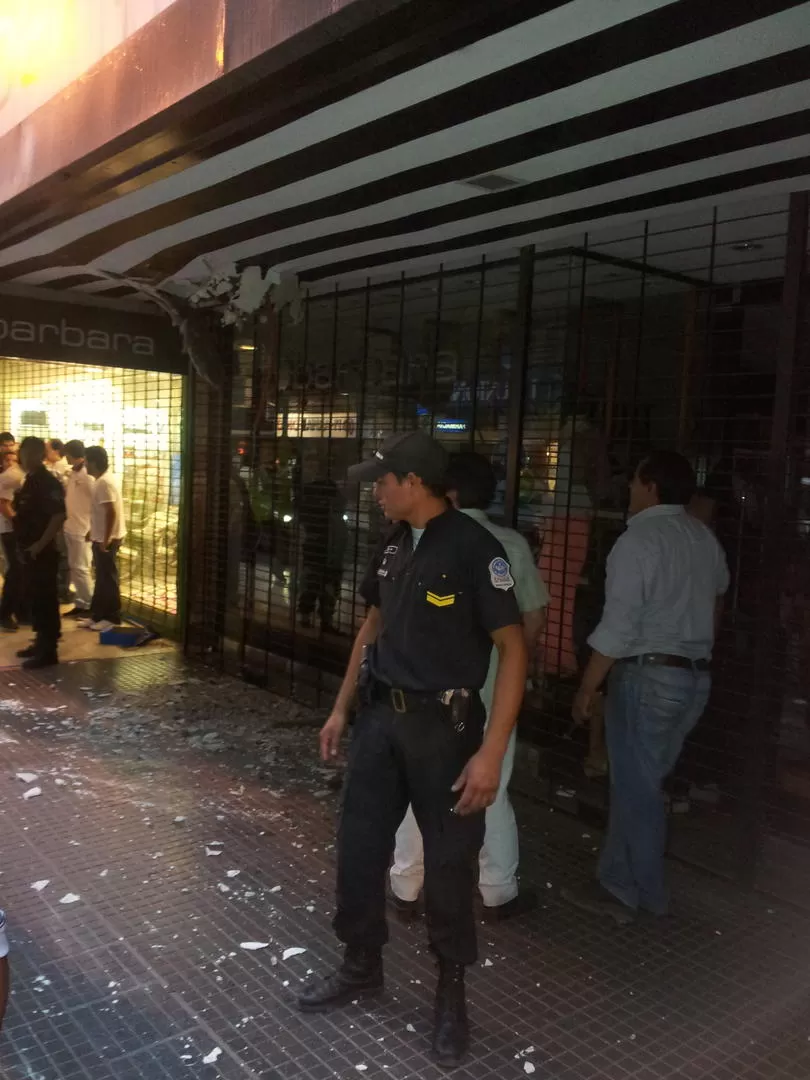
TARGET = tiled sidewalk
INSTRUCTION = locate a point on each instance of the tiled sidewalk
(143, 976)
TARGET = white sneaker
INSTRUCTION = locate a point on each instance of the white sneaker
(85, 624)
(103, 624)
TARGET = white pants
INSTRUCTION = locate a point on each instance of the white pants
(79, 556)
(497, 863)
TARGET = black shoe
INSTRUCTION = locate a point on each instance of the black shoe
(597, 900)
(28, 651)
(9, 626)
(77, 613)
(360, 975)
(522, 904)
(44, 660)
(451, 1031)
(405, 910)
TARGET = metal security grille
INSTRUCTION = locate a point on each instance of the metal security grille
(137, 417)
(563, 367)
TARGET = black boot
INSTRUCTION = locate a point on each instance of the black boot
(360, 975)
(451, 1032)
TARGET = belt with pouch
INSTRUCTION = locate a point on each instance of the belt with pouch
(409, 701)
(667, 660)
(404, 701)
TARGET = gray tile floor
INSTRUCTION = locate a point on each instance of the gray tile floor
(144, 975)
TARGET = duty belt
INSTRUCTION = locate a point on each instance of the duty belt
(403, 701)
(655, 659)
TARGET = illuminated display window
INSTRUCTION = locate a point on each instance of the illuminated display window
(137, 417)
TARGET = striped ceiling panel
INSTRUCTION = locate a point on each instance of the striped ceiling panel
(579, 118)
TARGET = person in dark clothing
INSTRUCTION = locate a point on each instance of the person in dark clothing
(39, 514)
(13, 609)
(439, 592)
(325, 537)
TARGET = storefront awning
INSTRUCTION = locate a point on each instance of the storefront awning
(394, 137)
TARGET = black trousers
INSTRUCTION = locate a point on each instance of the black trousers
(396, 759)
(41, 585)
(12, 603)
(321, 585)
(106, 602)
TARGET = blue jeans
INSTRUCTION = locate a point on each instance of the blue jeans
(648, 713)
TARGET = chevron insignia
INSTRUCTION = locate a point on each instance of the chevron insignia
(441, 601)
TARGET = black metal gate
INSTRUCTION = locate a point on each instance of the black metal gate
(563, 367)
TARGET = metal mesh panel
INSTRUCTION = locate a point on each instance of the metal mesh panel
(563, 367)
(137, 417)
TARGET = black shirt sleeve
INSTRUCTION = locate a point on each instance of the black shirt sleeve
(492, 583)
(53, 496)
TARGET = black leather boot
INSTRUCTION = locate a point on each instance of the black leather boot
(451, 1032)
(360, 975)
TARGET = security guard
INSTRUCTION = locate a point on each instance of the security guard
(39, 514)
(439, 592)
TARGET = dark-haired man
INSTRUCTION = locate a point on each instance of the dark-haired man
(439, 592)
(39, 513)
(79, 503)
(666, 576)
(107, 530)
(471, 484)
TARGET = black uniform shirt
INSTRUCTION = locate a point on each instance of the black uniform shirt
(40, 497)
(438, 604)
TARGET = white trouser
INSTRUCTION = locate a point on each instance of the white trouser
(498, 861)
(79, 556)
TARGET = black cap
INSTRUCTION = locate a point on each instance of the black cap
(408, 452)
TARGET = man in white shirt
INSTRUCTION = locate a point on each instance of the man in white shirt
(55, 461)
(666, 577)
(12, 603)
(471, 485)
(107, 530)
(79, 503)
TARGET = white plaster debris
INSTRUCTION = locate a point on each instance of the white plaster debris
(296, 950)
(528, 1068)
(104, 873)
(276, 888)
(223, 888)
(252, 946)
(27, 777)
(213, 851)
(209, 1059)
(60, 782)
(410, 1027)
(70, 898)
(487, 962)
(38, 886)
(179, 819)
(32, 793)
(232, 873)
(361, 1068)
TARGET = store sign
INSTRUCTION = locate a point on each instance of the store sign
(318, 425)
(39, 330)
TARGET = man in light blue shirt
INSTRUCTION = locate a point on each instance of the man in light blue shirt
(471, 484)
(666, 577)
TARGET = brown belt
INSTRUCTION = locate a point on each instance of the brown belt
(655, 659)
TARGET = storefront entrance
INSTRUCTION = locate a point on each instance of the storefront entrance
(113, 378)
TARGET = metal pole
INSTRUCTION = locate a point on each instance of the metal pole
(761, 728)
(517, 384)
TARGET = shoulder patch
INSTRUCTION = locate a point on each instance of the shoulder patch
(391, 549)
(500, 574)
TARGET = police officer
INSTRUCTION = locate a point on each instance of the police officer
(39, 514)
(471, 483)
(439, 592)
